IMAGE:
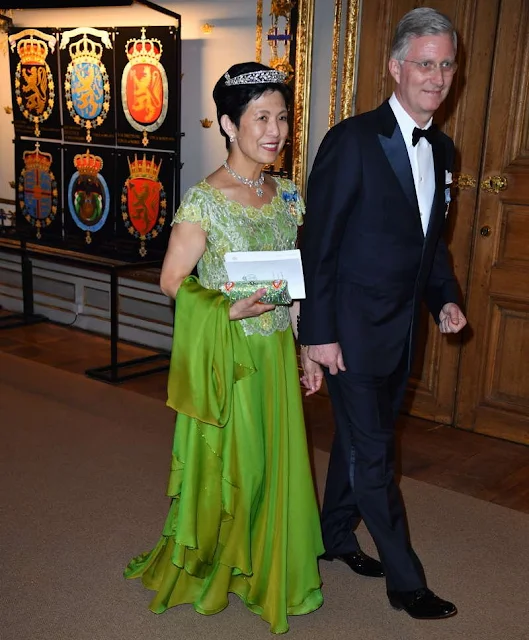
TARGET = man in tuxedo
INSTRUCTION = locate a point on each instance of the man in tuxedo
(372, 250)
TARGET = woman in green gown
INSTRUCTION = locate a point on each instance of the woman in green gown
(243, 517)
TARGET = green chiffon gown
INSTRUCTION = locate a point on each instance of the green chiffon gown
(243, 517)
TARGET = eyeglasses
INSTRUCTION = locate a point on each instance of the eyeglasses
(428, 68)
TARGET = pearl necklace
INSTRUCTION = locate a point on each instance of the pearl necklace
(253, 184)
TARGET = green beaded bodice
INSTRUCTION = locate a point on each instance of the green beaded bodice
(230, 226)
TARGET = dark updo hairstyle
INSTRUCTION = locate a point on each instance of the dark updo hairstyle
(234, 100)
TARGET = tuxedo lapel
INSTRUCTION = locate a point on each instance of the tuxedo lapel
(397, 155)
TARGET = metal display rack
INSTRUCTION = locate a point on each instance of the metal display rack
(112, 372)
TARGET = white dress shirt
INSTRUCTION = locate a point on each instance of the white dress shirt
(421, 160)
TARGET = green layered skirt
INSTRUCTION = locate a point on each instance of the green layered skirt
(243, 517)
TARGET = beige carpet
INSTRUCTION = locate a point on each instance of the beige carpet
(83, 468)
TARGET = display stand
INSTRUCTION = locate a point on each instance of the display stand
(27, 317)
(111, 373)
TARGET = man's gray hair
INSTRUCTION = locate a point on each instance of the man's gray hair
(423, 21)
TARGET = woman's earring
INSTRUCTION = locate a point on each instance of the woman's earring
(232, 138)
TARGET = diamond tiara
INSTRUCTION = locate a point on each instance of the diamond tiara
(264, 76)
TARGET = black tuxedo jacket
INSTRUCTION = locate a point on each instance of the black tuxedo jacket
(366, 261)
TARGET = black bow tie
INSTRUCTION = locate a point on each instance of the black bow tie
(429, 134)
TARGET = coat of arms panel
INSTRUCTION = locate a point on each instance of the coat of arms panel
(97, 137)
(34, 70)
(145, 180)
(148, 87)
(87, 66)
(88, 195)
(38, 200)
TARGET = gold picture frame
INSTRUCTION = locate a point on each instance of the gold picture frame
(300, 135)
(345, 40)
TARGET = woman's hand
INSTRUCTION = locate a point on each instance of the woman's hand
(250, 307)
(312, 373)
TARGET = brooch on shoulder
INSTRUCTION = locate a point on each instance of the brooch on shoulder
(291, 197)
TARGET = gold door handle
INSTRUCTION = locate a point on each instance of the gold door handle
(494, 184)
(465, 181)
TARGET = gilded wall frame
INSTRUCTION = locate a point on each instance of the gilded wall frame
(304, 37)
(345, 41)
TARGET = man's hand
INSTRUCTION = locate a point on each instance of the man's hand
(312, 373)
(328, 355)
(451, 318)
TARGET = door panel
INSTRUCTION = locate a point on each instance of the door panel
(493, 389)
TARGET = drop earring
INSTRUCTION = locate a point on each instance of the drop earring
(232, 138)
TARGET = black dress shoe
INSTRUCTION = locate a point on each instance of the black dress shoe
(359, 562)
(422, 604)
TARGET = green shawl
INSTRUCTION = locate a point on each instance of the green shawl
(209, 354)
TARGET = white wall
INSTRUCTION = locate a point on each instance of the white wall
(321, 73)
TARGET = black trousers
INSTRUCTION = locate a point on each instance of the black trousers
(361, 475)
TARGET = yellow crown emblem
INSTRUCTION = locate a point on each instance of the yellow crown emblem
(32, 45)
(206, 123)
(144, 168)
(37, 159)
(88, 164)
(32, 50)
(86, 49)
(144, 49)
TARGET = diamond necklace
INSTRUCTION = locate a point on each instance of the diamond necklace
(253, 184)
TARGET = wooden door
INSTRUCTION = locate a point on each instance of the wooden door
(493, 388)
(432, 388)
